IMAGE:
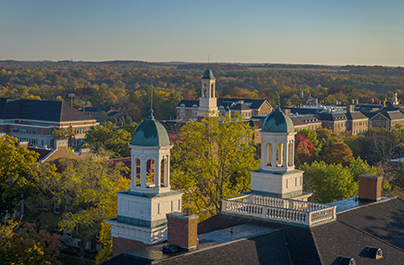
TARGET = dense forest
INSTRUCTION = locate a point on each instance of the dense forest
(126, 85)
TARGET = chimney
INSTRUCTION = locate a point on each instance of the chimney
(384, 102)
(23, 144)
(84, 152)
(372, 100)
(182, 230)
(350, 108)
(370, 187)
(357, 101)
(61, 144)
(287, 112)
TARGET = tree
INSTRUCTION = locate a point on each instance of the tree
(337, 153)
(24, 244)
(67, 133)
(210, 162)
(328, 182)
(111, 138)
(304, 150)
(327, 137)
(88, 186)
(19, 173)
(312, 135)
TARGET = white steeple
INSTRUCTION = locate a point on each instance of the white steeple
(277, 176)
(142, 209)
(208, 101)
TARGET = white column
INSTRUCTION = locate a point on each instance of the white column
(285, 152)
(133, 172)
(167, 178)
(157, 172)
(264, 153)
(143, 166)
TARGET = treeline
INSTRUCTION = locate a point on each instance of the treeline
(126, 85)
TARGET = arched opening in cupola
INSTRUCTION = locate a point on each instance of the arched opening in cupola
(279, 155)
(269, 154)
(150, 171)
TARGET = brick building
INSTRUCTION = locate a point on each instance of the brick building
(35, 120)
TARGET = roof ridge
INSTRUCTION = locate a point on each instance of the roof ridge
(61, 111)
(368, 234)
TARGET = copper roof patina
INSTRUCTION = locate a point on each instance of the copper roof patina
(208, 74)
(150, 133)
(278, 122)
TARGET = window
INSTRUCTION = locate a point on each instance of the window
(287, 184)
(295, 182)
(56, 208)
(45, 204)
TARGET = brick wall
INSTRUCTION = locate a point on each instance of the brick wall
(123, 245)
(370, 187)
(182, 230)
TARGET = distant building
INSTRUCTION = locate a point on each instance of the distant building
(273, 224)
(35, 120)
(208, 103)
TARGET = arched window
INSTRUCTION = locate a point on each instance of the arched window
(269, 154)
(279, 155)
(137, 172)
(290, 154)
(163, 175)
(204, 91)
(150, 169)
(212, 91)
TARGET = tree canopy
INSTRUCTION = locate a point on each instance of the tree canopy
(211, 161)
(19, 173)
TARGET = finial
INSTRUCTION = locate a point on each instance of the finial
(279, 95)
(151, 101)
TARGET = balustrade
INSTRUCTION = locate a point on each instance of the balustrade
(287, 210)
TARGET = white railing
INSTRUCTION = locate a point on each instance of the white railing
(287, 210)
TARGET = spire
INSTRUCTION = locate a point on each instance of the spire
(151, 102)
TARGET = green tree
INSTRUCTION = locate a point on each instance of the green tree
(67, 133)
(210, 162)
(24, 244)
(89, 187)
(328, 182)
(111, 138)
(327, 137)
(19, 173)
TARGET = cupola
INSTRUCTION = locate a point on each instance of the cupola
(150, 133)
(150, 157)
(278, 122)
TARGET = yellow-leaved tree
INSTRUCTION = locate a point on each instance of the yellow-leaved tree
(211, 161)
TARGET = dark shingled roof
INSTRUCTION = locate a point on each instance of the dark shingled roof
(240, 107)
(42, 110)
(393, 115)
(331, 116)
(356, 115)
(377, 225)
(384, 220)
(304, 119)
(188, 103)
(227, 102)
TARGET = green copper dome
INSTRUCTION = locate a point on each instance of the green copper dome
(278, 122)
(150, 133)
(208, 74)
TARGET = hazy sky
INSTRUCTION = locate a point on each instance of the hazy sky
(360, 32)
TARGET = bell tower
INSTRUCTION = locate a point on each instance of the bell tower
(208, 101)
(277, 176)
(142, 209)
